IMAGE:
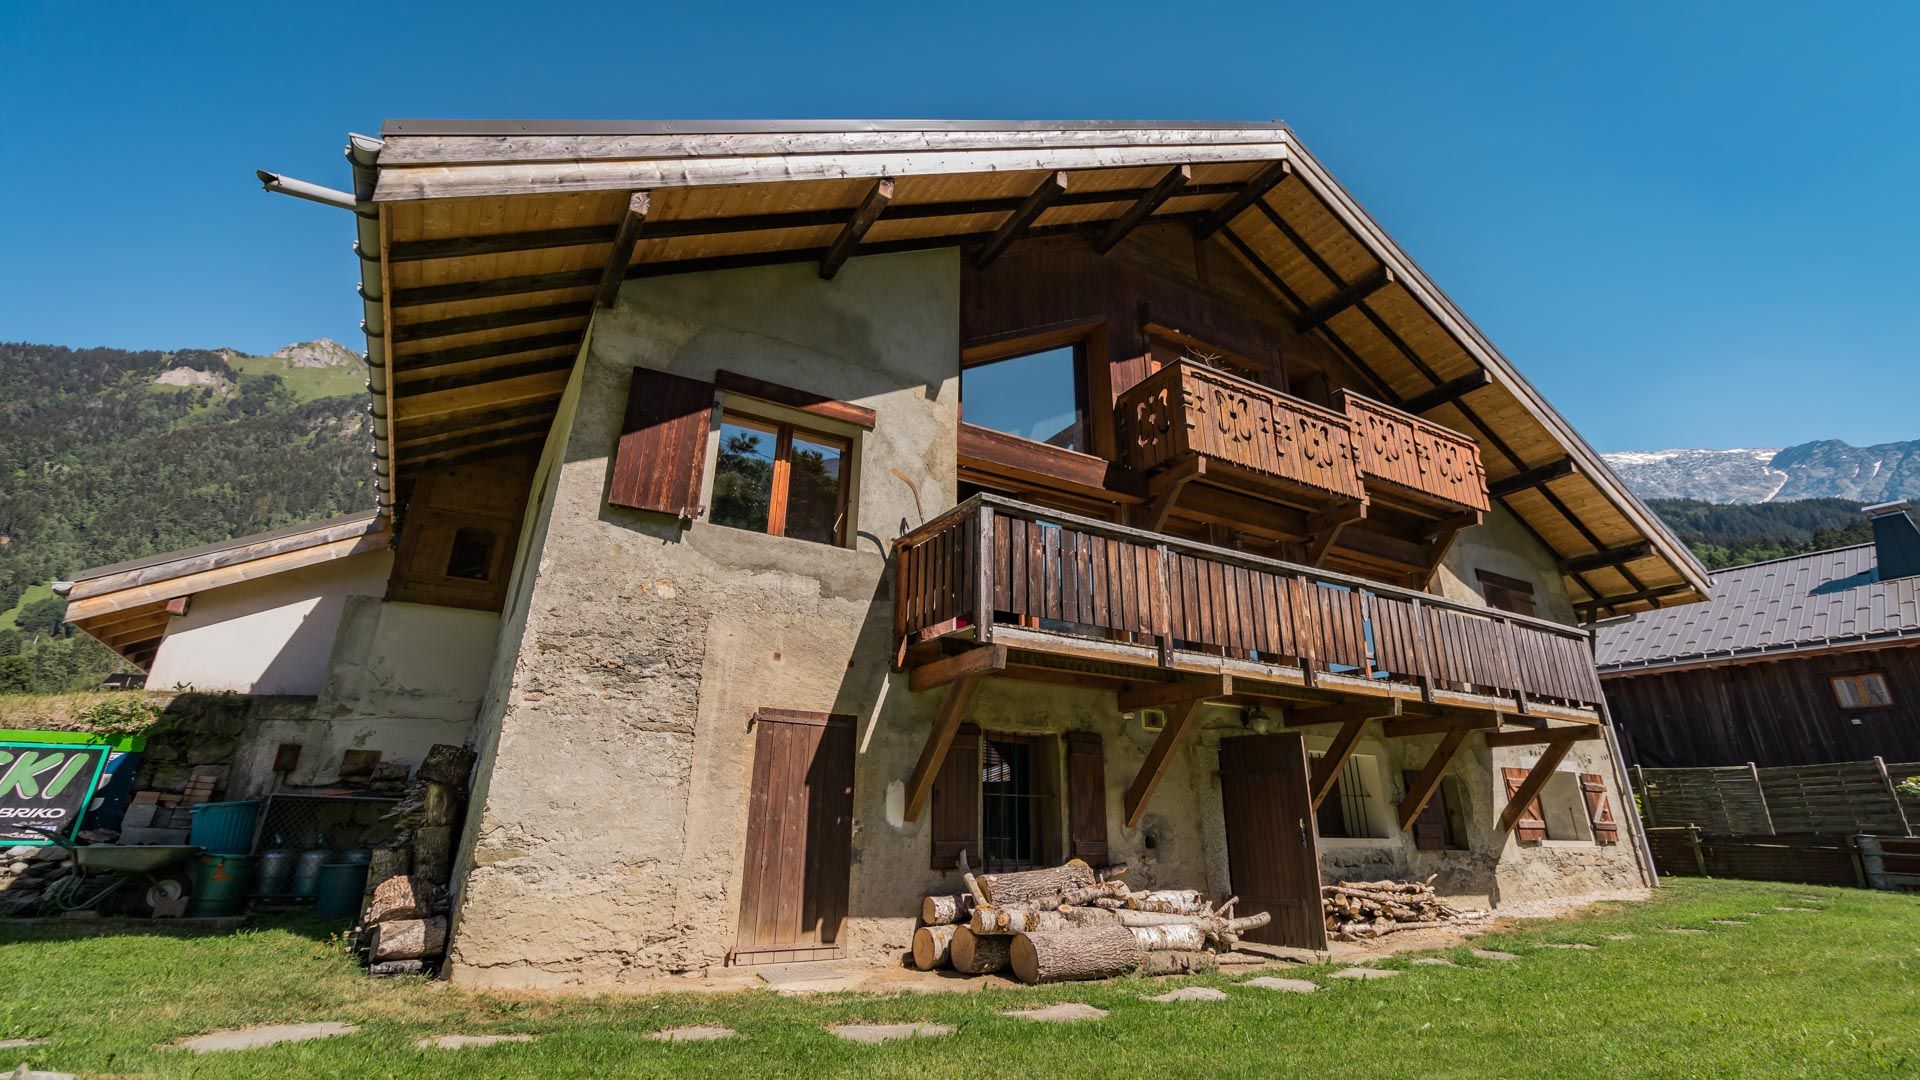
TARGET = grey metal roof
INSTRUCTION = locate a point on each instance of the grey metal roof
(364, 517)
(1806, 602)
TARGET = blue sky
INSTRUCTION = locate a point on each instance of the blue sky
(1689, 226)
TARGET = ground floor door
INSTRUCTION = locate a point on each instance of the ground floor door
(793, 889)
(1270, 852)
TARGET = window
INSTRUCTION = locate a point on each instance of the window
(1354, 808)
(780, 480)
(1564, 808)
(471, 556)
(1441, 824)
(1038, 395)
(1861, 690)
(1505, 593)
(1011, 797)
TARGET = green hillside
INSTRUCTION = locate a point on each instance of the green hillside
(110, 454)
(1723, 534)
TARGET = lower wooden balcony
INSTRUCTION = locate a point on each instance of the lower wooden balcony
(1082, 600)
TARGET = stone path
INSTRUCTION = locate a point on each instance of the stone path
(461, 1042)
(1684, 930)
(1432, 961)
(1727, 922)
(1495, 954)
(15, 1044)
(1192, 993)
(1619, 937)
(1798, 909)
(879, 1033)
(1288, 986)
(694, 1033)
(1579, 945)
(1063, 1013)
(1364, 973)
(24, 1073)
(264, 1035)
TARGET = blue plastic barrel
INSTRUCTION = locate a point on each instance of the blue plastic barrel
(224, 828)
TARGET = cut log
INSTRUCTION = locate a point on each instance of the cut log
(446, 764)
(388, 862)
(986, 921)
(945, 910)
(1172, 901)
(976, 955)
(409, 939)
(1157, 918)
(1171, 938)
(932, 947)
(402, 898)
(433, 852)
(1090, 916)
(1249, 922)
(1187, 963)
(1093, 952)
(1097, 891)
(1035, 886)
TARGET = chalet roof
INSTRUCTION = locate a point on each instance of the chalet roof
(486, 244)
(1807, 603)
(124, 605)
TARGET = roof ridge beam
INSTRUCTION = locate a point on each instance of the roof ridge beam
(1176, 178)
(856, 227)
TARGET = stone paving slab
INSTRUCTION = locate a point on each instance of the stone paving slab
(1289, 986)
(1432, 961)
(1063, 1013)
(694, 1033)
(265, 1035)
(24, 1073)
(461, 1042)
(1192, 993)
(1619, 937)
(1364, 973)
(1684, 930)
(1728, 922)
(1799, 909)
(1495, 954)
(15, 1044)
(879, 1033)
(1575, 945)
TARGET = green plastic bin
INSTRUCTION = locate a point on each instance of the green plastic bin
(224, 828)
(220, 884)
(342, 885)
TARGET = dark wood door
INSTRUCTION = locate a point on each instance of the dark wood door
(793, 889)
(1270, 851)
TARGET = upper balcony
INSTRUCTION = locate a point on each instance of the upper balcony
(1087, 601)
(1403, 458)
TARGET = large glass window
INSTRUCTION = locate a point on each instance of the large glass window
(780, 480)
(1038, 395)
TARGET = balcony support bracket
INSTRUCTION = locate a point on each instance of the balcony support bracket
(1324, 528)
(1164, 490)
(953, 710)
(1327, 770)
(1529, 789)
(1421, 789)
(1181, 719)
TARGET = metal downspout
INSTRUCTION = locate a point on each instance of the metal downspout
(1642, 851)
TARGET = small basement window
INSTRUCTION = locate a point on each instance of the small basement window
(471, 556)
(1356, 807)
(1038, 395)
(1506, 594)
(1861, 690)
(780, 480)
(1565, 808)
(1015, 789)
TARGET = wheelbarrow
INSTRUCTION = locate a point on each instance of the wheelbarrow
(140, 877)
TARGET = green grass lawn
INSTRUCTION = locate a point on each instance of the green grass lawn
(1789, 993)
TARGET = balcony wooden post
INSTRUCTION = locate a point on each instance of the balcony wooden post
(1163, 604)
(983, 607)
(1423, 677)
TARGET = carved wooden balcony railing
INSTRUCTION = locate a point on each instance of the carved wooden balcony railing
(1040, 580)
(1186, 411)
(1415, 457)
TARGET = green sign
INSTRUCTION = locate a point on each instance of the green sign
(46, 785)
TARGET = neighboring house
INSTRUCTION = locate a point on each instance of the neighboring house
(1796, 661)
(904, 493)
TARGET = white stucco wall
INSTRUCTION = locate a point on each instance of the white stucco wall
(269, 636)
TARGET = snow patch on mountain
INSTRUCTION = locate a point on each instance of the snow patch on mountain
(1816, 470)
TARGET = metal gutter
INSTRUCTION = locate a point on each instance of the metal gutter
(821, 127)
(363, 153)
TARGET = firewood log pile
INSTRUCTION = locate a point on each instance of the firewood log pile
(1072, 922)
(1359, 910)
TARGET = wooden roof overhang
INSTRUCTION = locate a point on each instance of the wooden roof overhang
(128, 606)
(498, 239)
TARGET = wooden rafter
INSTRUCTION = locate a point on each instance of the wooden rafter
(864, 216)
(414, 387)
(1529, 789)
(1176, 178)
(1324, 528)
(1530, 478)
(1448, 392)
(1614, 603)
(456, 292)
(1544, 736)
(1180, 720)
(1164, 490)
(625, 239)
(1162, 695)
(976, 661)
(953, 710)
(487, 350)
(493, 320)
(1611, 557)
(1017, 223)
(1315, 317)
(1263, 181)
(1410, 726)
(1421, 789)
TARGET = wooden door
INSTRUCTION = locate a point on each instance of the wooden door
(793, 888)
(1270, 850)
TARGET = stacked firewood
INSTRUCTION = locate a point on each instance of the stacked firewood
(403, 920)
(1071, 922)
(1356, 910)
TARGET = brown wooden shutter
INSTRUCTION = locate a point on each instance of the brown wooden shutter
(663, 444)
(1599, 810)
(1533, 823)
(956, 803)
(1086, 798)
(1430, 828)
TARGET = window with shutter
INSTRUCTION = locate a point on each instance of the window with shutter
(1086, 798)
(662, 454)
(1532, 825)
(1430, 829)
(956, 803)
(1599, 810)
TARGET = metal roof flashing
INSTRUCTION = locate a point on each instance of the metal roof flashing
(482, 127)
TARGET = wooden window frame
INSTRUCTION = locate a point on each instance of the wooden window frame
(1078, 337)
(1491, 582)
(783, 433)
(1833, 687)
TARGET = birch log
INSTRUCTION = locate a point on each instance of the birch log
(932, 947)
(1171, 937)
(1183, 963)
(409, 939)
(976, 955)
(1035, 886)
(1094, 952)
(1100, 890)
(945, 910)
(1014, 920)
(1172, 901)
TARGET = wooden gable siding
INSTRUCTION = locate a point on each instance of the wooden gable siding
(1778, 712)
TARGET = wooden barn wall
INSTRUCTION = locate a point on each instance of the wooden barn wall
(1776, 713)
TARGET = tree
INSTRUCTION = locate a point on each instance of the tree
(43, 616)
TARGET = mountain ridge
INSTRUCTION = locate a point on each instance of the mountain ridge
(1820, 469)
